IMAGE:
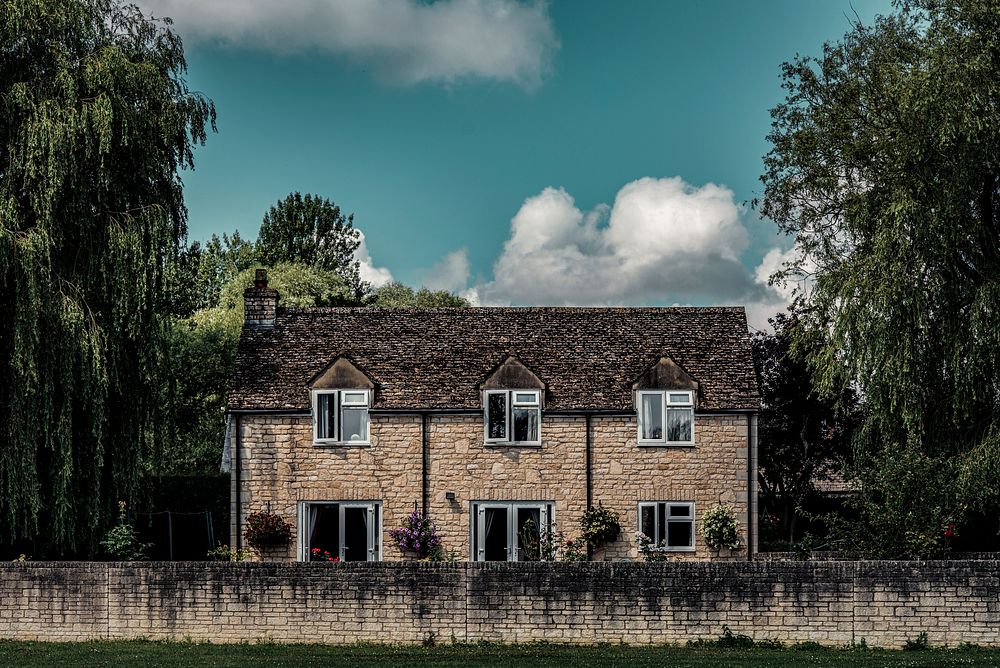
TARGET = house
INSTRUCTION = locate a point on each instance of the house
(344, 420)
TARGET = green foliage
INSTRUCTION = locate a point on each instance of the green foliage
(311, 231)
(918, 644)
(719, 528)
(226, 553)
(397, 295)
(885, 169)
(121, 541)
(600, 525)
(803, 437)
(97, 122)
(265, 529)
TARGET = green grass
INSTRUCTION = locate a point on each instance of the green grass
(145, 654)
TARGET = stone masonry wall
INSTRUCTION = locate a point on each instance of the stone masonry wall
(882, 603)
(281, 467)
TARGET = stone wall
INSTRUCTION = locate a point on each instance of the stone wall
(882, 603)
(280, 467)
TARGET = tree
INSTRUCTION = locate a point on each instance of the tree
(803, 436)
(397, 295)
(312, 231)
(885, 167)
(97, 121)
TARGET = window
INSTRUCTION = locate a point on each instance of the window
(668, 524)
(512, 416)
(510, 530)
(666, 418)
(348, 530)
(340, 416)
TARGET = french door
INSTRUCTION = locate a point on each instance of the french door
(510, 530)
(348, 530)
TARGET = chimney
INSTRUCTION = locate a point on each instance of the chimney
(260, 303)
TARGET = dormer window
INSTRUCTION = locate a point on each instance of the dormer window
(512, 417)
(665, 417)
(340, 416)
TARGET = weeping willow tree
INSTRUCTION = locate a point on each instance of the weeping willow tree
(885, 167)
(96, 122)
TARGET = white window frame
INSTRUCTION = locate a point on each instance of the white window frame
(667, 518)
(665, 405)
(511, 404)
(374, 509)
(477, 525)
(337, 396)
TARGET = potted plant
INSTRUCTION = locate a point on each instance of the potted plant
(265, 529)
(418, 537)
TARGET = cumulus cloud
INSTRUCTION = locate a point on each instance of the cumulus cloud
(376, 276)
(450, 273)
(402, 41)
(662, 241)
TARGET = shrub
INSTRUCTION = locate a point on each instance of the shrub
(121, 542)
(226, 553)
(266, 529)
(720, 528)
(917, 644)
(600, 526)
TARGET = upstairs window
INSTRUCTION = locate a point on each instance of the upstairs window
(341, 416)
(512, 417)
(665, 417)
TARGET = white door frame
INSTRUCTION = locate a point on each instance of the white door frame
(374, 518)
(478, 532)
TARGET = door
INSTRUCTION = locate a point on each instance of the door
(350, 531)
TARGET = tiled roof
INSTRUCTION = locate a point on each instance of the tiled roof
(437, 358)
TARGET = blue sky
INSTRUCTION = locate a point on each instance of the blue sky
(571, 152)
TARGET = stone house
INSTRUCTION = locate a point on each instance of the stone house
(345, 420)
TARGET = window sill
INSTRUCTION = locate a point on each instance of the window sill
(512, 444)
(341, 444)
(663, 444)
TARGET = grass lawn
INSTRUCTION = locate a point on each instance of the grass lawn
(188, 655)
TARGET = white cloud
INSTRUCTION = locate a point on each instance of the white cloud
(663, 241)
(376, 276)
(450, 273)
(402, 41)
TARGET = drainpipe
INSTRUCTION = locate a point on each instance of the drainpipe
(238, 469)
(590, 477)
(425, 461)
(751, 423)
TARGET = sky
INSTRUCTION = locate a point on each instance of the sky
(528, 153)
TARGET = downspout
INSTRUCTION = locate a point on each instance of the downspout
(237, 471)
(590, 477)
(751, 423)
(425, 461)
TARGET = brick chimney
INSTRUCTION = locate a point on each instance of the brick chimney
(260, 303)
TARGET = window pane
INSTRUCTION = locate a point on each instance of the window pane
(647, 521)
(496, 416)
(525, 398)
(679, 534)
(324, 532)
(679, 422)
(680, 398)
(324, 413)
(529, 534)
(495, 534)
(357, 398)
(354, 424)
(680, 511)
(355, 533)
(652, 417)
(525, 424)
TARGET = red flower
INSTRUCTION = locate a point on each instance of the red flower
(336, 560)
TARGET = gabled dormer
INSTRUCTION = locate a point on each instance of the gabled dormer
(665, 399)
(512, 404)
(341, 397)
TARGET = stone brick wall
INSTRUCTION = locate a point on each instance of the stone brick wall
(279, 467)
(882, 603)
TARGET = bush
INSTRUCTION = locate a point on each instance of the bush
(720, 528)
(265, 529)
(121, 541)
(226, 553)
(600, 526)
(917, 644)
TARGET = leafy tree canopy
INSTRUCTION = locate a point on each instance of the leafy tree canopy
(398, 295)
(312, 231)
(97, 120)
(885, 167)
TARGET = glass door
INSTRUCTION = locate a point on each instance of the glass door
(350, 531)
(510, 531)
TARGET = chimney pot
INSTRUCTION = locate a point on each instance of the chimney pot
(260, 278)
